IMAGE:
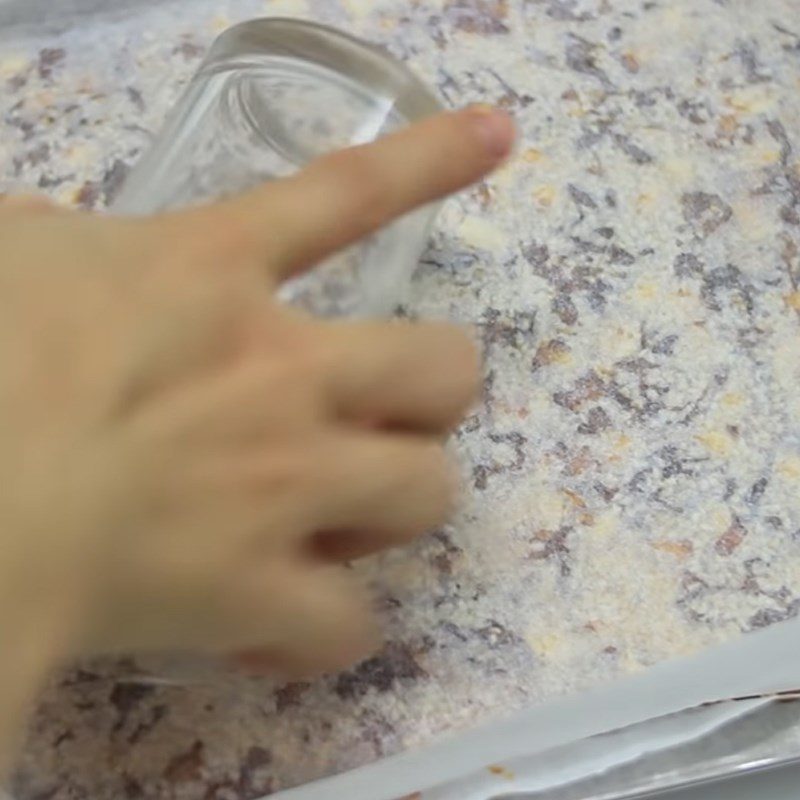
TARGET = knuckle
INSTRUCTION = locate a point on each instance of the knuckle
(280, 396)
(310, 353)
(211, 236)
(231, 234)
(288, 365)
(298, 379)
(286, 473)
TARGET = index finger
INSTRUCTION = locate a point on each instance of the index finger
(349, 194)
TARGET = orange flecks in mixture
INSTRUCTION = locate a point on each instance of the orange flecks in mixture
(793, 300)
(579, 463)
(553, 351)
(715, 441)
(789, 468)
(731, 399)
(545, 195)
(532, 155)
(680, 549)
(220, 23)
(574, 498)
(731, 539)
(623, 442)
(501, 772)
(630, 62)
(737, 103)
(728, 123)
(483, 194)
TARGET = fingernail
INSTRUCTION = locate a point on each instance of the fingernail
(494, 127)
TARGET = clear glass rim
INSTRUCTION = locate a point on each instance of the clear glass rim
(360, 61)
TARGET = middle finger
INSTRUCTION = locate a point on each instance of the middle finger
(421, 376)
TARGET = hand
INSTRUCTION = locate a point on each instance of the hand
(184, 463)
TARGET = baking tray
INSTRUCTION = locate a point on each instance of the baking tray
(551, 745)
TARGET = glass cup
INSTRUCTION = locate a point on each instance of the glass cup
(272, 95)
